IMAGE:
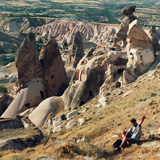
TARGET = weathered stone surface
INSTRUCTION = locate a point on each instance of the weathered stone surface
(70, 124)
(5, 100)
(10, 123)
(126, 11)
(140, 52)
(87, 79)
(29, 96)
(57, 129)
(44, 109)
(55, 77)
(13, 135)
(63, 29)
(72, 114)
(154, 36)
(42, 158)
(121, 34)
(77, 51)
(82, 121)
(157, 71)
(27, 62)
(137, 37)
(12, 78)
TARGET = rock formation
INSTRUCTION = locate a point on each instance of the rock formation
(23, 24)
(5, 100)
(121, 34)
(63, 29)
(125, 66)
(55, 78)
(77, 51)
(87, 79)
(140, 52)
(49, 106)
(27, 62)
(155, 38)
(31, 89)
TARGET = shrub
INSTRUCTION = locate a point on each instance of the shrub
(3, 89)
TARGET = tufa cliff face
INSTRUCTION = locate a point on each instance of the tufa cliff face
(61, 30)
(27, 62)
(55, 78)
(77, 51)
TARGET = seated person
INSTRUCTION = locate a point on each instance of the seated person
(133, 135)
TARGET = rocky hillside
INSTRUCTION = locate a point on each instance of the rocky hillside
(22, 24)
(108, 85)
(65, 30)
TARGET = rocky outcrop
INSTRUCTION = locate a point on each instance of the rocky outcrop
(31, 89)
(27, 62)
(77, 51)
(155, 38)
(5, 100)
(29, 96)
(87, 79)
(62, 29)
(18, 134)
(8, 43)
(140, 52)
(55, 78)
(45, 109)
(121, 34)
(17, 24)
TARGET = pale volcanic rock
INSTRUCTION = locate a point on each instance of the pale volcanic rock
(72, 114)
(70, 124)
(44, 109)
(87, 79)
(27, 61)
(57, 129)
(29, 96)
(77, 51)
(63, 29)
(137, 37)
(140, 52)
(82, 121)
(5, 100)
(55, 78)
(121, 33)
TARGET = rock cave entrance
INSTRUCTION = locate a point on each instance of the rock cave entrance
(42, 94)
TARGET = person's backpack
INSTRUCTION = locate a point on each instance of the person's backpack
(117, 144)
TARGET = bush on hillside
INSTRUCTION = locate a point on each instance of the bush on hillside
(3, 89)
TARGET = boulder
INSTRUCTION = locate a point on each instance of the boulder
(54, 74)
(72, 114)
(57, 129)
(70, 124)
(126, 11)
(82, 121)
(121, 34)
(77, 51)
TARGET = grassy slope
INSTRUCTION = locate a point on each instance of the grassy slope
(105, 122)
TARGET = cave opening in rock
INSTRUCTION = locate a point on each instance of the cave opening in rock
(42, 94)
(90, 93)
(81, 103)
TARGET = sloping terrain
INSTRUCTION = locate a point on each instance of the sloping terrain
(106, 118)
